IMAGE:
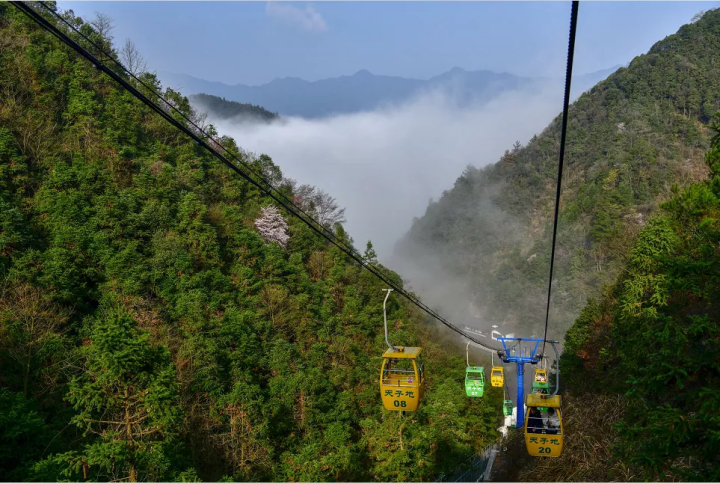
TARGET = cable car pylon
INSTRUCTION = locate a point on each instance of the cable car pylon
(525, 355)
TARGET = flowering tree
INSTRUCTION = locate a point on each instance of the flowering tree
(272, 226)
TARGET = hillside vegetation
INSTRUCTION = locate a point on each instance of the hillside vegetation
(654, 337)
(220, 108)
(643, 360)
(150, 332)
(630, 138)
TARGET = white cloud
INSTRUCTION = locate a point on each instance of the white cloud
(307, 19)
(385, 165)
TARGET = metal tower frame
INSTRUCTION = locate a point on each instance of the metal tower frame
(522, 354)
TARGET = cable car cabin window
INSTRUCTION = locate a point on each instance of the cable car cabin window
(399, 371)
(547, 422)
(420, 367)
(541, 375)
(475, 376)
(403, 371)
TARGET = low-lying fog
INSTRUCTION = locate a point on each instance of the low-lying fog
(385, 165)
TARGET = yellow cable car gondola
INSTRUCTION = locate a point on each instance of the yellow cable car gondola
(402, 379)
(541, 375)
(402, 375)
(544, 431)
(497, 376)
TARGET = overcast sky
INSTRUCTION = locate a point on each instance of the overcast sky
(255, 42)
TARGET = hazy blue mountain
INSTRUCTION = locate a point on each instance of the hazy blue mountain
(364, 91)
(221, 108)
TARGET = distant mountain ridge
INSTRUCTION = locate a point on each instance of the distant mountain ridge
(221, 108)
(364, 91)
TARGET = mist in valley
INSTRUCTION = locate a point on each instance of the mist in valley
(385, 166)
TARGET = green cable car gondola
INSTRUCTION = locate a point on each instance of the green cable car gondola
(507, 407)
(507, 404)
(541, 385)
(474, 377)
(475, 381)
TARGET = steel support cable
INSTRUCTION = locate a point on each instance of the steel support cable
(563, 132)
(191, 122)
(44, 23)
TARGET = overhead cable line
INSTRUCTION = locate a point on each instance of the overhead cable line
(563, 132)
(309, 221)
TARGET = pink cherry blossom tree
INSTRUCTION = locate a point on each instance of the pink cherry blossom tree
(272, 226)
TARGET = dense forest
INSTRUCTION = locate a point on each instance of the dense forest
(220, 108)
(642, 362)
(630, 139)
(161, 320)
(654, 337)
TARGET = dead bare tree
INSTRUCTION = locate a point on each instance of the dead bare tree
(321, 204)
(132, 59)
(199, 119)
(328, 211)
(29, 323)
(103, 24)
(698, 16)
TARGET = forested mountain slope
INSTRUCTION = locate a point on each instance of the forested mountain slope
(220, 108)
(630, 138)
(153, 329)
(643, 360)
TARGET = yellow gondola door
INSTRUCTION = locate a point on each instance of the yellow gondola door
(402, 379)
(544, 432)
